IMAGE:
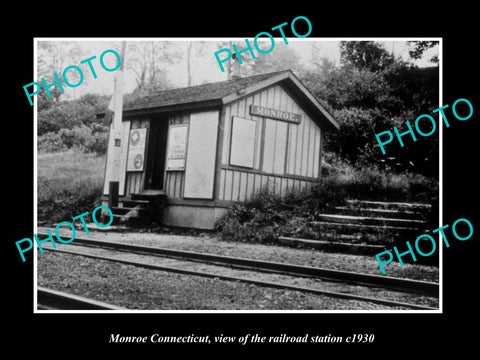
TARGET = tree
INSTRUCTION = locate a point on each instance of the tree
(321, 63)
(194, 50)
(53, 57)
(348, 86)
(365, 55)
(281, 57)
(145, 59)
(372, 92)
(353, 142)
(189, 65)
(417, 48)
(234, 67)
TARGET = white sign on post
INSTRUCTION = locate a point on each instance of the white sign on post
(136, 149)
(177, 147)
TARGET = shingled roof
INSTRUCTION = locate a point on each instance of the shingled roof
(223, 92)
(205, 92)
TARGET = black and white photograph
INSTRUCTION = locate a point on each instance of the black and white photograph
(261, 187)
(281, 183)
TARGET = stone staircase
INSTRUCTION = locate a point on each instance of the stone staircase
(139, 208)
(366, 227)
(372, 217)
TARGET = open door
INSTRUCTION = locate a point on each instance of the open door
(157, 147)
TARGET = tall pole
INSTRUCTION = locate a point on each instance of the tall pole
(117, 126)
(118, 89)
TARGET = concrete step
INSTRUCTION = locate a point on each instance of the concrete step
(125, 210)
(365, 204)
(351, 238)
(128, 202)
(385, 213)
(139, 207)
(335, 236)
(352, 227)
(350, 219)
(130, 220)
(148, 195)
(356, 236)
(120, 210)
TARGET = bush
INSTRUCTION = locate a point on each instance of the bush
(78, 138)
(371, 183)
(70, 114)
(267, 216)
(73, 125)
(57, 203)
(51, 142)
(100, 143)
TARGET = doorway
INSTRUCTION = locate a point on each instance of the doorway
(157, 147)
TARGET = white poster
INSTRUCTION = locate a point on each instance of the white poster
(136, 149)
(177, 147)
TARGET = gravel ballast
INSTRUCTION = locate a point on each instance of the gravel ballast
(277, 253)
(138, 288)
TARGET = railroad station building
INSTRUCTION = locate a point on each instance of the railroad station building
(197, 150)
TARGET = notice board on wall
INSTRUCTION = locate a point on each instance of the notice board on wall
(177, 147)
(243, 142)
(202, 145)
(136, 149)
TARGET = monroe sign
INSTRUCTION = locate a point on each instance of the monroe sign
(275, 114)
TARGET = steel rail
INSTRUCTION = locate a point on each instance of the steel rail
(48, 299)
(245, 280)
(392, 283)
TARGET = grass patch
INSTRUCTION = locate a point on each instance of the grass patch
(68, 184)
(373, 183)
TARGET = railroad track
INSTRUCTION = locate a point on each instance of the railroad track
(352, 278)
(48, 299)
